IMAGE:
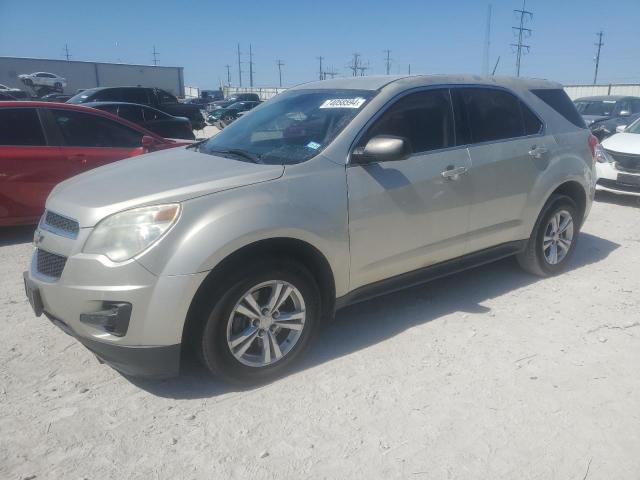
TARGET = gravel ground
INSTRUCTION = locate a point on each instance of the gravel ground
(489, 374)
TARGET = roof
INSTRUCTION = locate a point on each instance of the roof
(600, 98)
(377, 82)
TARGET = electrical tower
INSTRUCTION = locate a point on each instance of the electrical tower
(155, 56)
(228, 67)
(388, 61)
(321, 75)
(67, 55)
(331, 72)
(355, 64)
(280, 65)
(239, 68)
(250, 67)
(522, 33)
(597, 59)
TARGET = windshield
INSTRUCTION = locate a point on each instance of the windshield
(601, 108)
(634, 127)
(290, 128)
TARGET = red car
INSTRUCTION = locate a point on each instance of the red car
(42, 143)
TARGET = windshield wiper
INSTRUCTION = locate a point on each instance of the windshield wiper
(239, 153)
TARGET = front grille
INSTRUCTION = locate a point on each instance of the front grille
(625, 161)
(605, 182)
(62, 225)
(50, 264)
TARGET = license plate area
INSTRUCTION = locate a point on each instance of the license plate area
(33, 295)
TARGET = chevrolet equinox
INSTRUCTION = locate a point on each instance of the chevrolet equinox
(240, 246)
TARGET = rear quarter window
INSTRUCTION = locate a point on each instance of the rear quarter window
(557, 99)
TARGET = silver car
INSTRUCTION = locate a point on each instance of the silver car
(239, 247)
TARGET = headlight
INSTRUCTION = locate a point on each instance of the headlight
(126, 234)
(602, 156)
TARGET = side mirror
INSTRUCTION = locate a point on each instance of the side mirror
(624, 113)
(148, 142)
(620, 128)
(383, 148)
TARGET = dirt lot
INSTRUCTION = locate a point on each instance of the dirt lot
(490, 374)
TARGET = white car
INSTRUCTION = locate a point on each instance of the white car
(43, 79)
(618, 162)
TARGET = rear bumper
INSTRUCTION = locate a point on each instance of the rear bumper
(138, 361)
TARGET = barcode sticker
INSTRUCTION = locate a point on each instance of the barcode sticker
(343, 103)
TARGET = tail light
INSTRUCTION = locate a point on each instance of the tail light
(593, 143)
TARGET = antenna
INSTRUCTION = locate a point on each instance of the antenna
(280, 65)
(597, 59)
(155, 56)
(487, 43)
(522, 34)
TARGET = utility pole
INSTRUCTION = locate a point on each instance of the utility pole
(155, 56)
(321, 75)
(409, 69)
(597, 59)
(362, 68)
(487, 43)
(239, 68)
(496, 66)
(228, 67)
(280, 64)
(355, 64)
(250, 67)
(66, 52)
(522, 34)
(388, 61)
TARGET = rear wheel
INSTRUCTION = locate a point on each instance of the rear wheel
(262, 323)
(553, 239)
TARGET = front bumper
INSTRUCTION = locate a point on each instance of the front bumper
(613, 180)
(91, 284)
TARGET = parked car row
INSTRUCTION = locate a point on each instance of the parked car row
(222, 117)
(604, 114)
(43, 143)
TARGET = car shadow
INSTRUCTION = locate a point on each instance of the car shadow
(616, 199)
(387, 316)
(16, 235)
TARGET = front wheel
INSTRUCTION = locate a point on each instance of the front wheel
(553, 239)
(262, 323)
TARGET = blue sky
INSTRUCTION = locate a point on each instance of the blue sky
(433, 36)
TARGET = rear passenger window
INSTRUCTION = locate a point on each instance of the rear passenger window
(492, 114)
(84, 130)
(20, 126)
(558, 100)
(423, 118)
(532, 124)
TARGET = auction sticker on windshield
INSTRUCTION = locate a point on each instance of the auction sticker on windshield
(343, 103)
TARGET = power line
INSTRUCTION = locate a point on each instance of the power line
(66, 52)
(280, 65)
(250, 66)
(155, 56)
(487, 43)
(388, 61)
(321, 74)
(522, 34)
(597, 59)
(239, 68)
(228, 67)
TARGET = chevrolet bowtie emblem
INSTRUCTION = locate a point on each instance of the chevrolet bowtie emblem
(38, 236)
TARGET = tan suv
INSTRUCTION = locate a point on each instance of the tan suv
(240, 246)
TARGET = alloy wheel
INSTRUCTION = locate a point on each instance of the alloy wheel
(558, 237)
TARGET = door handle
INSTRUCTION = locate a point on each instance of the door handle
(452, 173)
(537, 152)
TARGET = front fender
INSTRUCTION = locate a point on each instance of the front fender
(308, 203)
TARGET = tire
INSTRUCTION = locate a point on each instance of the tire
(538, 259)
(224, 324)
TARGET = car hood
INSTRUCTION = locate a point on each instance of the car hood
(167, 176)
(623, 143)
